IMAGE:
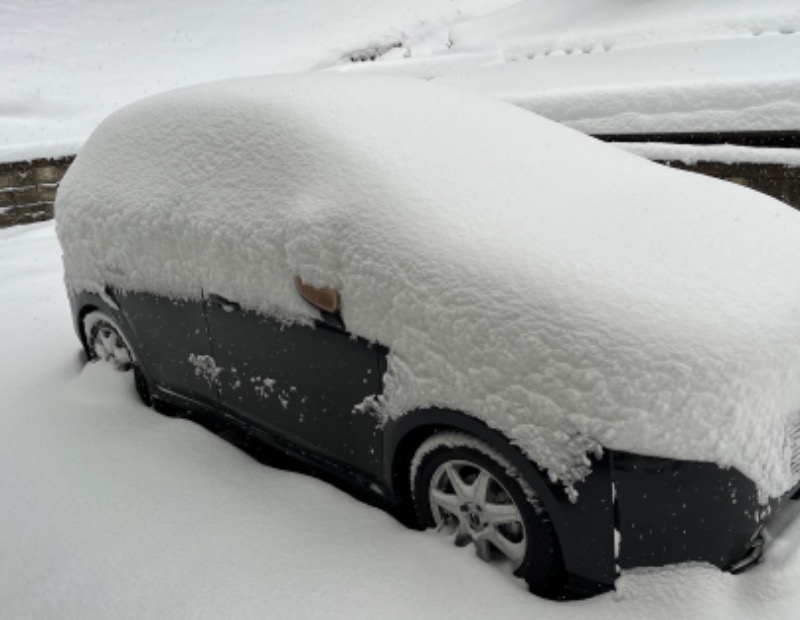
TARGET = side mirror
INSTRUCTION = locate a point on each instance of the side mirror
(325, 299)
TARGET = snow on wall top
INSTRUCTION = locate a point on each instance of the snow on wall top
(560, 289)
(39, 150)
(690, 154)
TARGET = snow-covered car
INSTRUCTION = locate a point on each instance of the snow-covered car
(575, 359)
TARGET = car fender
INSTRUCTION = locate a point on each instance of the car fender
(585, 527)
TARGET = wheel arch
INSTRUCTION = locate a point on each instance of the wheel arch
(584, 529)
(87, 302)
(83, 312)
(404, 435)
(90, 302)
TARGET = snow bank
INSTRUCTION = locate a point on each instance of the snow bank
(690, 154)
(672, 87)
(605, 66)
(584, 26)
(556, 287)
(86, 58)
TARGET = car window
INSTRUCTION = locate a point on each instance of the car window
(326, 299)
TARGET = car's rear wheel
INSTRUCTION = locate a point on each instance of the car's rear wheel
(466, 490)
(105, 342)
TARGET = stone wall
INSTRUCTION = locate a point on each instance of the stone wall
(28, 189)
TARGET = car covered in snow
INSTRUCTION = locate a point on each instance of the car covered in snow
(574, 359)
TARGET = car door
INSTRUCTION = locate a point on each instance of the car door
(172, 343)
(310, 384)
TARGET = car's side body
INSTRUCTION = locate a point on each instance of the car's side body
(301, 388)
(620, 338)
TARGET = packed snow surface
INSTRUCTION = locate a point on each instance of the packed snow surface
(564, 291)
(668, 87)
(67, 64)
(600, 65)
(113, 511)
(674, 87)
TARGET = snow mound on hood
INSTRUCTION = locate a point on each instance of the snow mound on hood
(563, 291)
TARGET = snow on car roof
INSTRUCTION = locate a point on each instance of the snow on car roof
(565, 292)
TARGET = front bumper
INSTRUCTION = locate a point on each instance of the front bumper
(669, 511)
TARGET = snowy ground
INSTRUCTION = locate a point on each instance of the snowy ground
(113, 511)
(599, 65)
(67, 64)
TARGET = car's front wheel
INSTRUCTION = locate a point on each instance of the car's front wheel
(105, 342)
(468, 491)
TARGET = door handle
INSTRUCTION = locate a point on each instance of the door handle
(225, 304)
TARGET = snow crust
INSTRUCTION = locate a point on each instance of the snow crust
(562, 290)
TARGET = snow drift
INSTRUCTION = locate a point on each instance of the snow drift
(567, 293)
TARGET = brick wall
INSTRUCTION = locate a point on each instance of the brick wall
(28, 189)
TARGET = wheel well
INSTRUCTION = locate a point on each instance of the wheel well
(81, 332)
(568, 521)
(401, 464)
(453, 421)
(401, 467)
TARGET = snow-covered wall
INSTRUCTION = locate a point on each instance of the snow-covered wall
(772, 171)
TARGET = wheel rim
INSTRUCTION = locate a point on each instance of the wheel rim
(108, 346)
(468, 501)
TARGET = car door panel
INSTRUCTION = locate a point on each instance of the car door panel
(308, 383)
(174, 343)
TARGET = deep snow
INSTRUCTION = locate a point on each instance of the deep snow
(612, 66)
(110, 510)
(599, 65)
(113, 511)
(670, 87)
(67, 64)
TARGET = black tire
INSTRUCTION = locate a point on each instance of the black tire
(106, 342)
(507, 525)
